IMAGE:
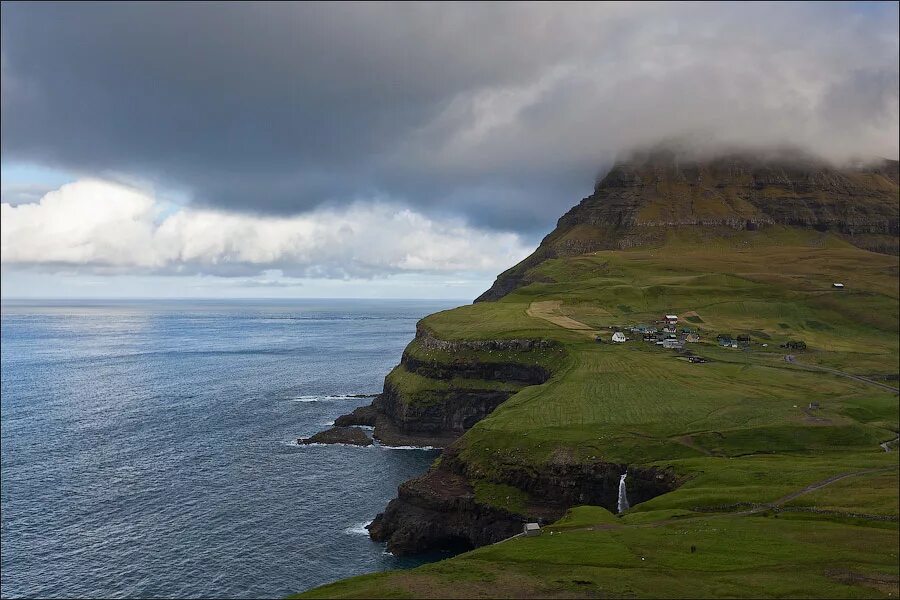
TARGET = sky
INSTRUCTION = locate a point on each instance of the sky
(384, 150)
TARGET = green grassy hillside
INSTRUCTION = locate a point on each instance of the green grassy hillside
(775, 499)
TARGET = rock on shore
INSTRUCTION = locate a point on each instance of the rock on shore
(339, 435)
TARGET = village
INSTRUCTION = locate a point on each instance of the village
(665, 332)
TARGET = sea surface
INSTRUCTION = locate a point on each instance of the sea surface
(148, 448)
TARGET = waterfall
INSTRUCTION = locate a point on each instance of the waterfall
(623, 494)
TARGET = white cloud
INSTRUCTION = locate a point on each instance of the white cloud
(808, 75)
(111, 228)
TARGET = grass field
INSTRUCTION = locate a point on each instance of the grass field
(736, 430)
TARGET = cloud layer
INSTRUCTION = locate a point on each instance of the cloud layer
(110, 228)
(498, 113)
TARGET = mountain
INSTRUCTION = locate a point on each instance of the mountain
(741, 442)
(640, 199)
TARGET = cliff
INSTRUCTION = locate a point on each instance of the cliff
(454, 507)
(441, 388)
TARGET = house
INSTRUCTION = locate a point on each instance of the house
(671, 344)
(837, 286)
(671, 320)
(618, 337)
(531, 529)
(814, 406)
(692, 338)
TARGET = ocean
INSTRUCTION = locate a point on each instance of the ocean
(148, 447)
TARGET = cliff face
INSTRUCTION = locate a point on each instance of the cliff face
(441, 510)
(401, 422)
(449, 394)
(438, 511)
(639, 198)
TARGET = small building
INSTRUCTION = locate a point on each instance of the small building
(618, 337)
(671, 319)
(671, 344)
(692, 338)
(814, 406)
(838, 286)
(531, 529)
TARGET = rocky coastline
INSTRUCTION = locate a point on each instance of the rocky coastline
(440, 509)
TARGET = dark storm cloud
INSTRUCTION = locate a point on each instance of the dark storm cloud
(501, 113)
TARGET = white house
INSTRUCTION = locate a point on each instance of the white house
(672, 319)
(618, 337)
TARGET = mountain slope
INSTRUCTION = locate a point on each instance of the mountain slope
(639, 199)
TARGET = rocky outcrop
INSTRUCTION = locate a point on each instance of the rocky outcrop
(641, 197)
(437, 511)
(440, 510)
(363, 415)
(339, 435)
(448, 411)
(434, 422)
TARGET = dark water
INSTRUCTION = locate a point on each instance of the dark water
(146, 446)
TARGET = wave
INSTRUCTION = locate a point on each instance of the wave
(320, 445)
(320, 397)
(358, 529)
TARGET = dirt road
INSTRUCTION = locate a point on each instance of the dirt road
(548, 310)
(790, 358)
